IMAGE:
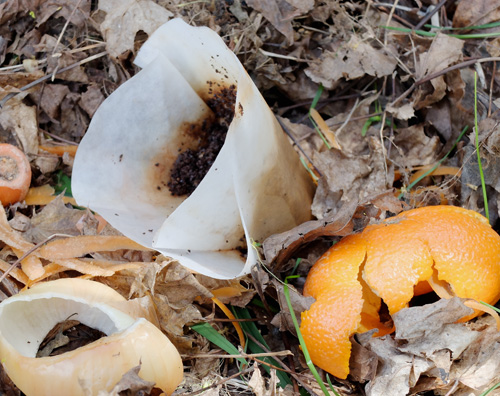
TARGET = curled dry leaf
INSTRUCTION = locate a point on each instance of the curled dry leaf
(65, 254)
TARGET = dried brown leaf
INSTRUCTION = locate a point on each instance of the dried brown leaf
(280, 247)
(354, 60)
(21, 121)
(347, 178)
(10, 9)
(413, 147)
(478, 12)
(281, 12)
(443, 52)
(124, 19)
(402, 112)
(130, 385)
(54, 218)
(430, 351)
(77, 11)
(283, 320)
(91, 99)
(53, 95)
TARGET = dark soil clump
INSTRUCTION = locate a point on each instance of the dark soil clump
(192, 165)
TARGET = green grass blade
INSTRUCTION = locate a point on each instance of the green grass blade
(483, 184)
(317, 96)
(63, 183)
(416, 181)
(253, 347)
(490, 306)
(490, 389)
(432, 34)
(212, 335)
(307, 357)
(313, 106)
(476, 27)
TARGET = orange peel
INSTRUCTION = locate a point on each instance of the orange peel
(447, 249)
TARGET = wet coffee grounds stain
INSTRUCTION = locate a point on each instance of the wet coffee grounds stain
(191, 165)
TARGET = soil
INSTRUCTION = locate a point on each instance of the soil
(192, 165)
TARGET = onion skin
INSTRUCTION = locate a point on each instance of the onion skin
(94, 367)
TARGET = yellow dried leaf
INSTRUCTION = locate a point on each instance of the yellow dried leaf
(84, 244)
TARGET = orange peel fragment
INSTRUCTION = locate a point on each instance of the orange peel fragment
(450, 250)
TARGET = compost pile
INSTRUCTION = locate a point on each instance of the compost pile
(389, 107)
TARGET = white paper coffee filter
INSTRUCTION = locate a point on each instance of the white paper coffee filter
(256, 186)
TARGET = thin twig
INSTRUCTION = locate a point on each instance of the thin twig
(231, 320)
(49, 76)
(216, 384)
(54, 73)
(428, 16)
(442, 72)
(389, 18)
(492, 82)
(285, 367)
(290, 135)
(37, 246)
(307, 103)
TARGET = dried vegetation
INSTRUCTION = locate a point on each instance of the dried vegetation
(394, 104)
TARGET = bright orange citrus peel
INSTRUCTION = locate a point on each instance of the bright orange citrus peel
(448, 249)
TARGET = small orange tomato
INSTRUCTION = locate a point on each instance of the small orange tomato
(15, 174)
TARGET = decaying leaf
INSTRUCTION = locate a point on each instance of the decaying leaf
(471, 177)
(474, 13)
(279, 248)
(413, 147)
(443, 52)
(347, 178)
(20, 120)
(283, 320)
(78, 11)
(130, 385)
(281, 12)
(124, 19)
(357, 58)
(54, 218)
(430, 351)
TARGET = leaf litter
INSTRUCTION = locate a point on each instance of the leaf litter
(412, 95)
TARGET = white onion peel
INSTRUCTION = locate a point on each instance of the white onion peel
(26, 318)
